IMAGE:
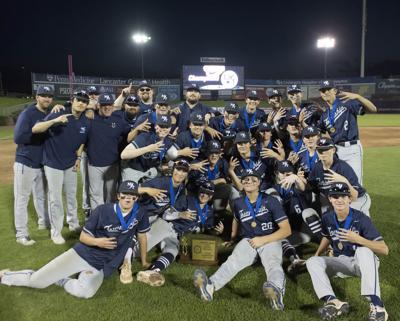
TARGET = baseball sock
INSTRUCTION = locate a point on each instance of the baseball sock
(289, 251)
(128, 255)
(376, 300)
(162, 262)
(314, 224)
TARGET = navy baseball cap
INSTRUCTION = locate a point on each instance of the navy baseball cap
(310, 131)
(293, 89)
(132, 100)
(293, 120)
(253, 95)
(207, 187)
(164, 121)
(250, 172)
(273, 93)
(229, 134)
(242, 137)
(162, 99)
(232, 107)
(129, 187)
(92, 90)
(193, 87)
(339, 189)
(182, 164)
(197, 118)
(326, 84)
(325, 143)
(264, 127)
(144, 84)
(284, 167)
(81, 94)
(106, 99)
(45, 91)
(213, 146)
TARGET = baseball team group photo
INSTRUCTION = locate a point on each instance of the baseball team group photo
(224, 193)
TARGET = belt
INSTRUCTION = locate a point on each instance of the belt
(348, 143)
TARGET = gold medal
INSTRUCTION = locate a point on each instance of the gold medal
(332, 130)
(253, 224)
(340, 246)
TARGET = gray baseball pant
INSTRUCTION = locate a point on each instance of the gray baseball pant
(244, 255)
(135, 175)
(364, 264)
(102, 184)
(352, 155)
(59, 180)
(58, 271)
(85, 181)
(27, 180)
(161, 232)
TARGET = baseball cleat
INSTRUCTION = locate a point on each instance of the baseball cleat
(150, 277)
(58, 240)
(333, 308)
(126, 272)
(26, 240)
(377, 313)
(274, 295)
(203, 284)
(2, 272)
(296, 265)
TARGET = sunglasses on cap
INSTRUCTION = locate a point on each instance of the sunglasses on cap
(144, 89)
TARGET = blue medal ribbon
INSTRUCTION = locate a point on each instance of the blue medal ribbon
(172, 196)
(153, 117)
(222, 125)
(195, 144)
(212, 174)
(253, 211)
(332, 112)
(248, 165)
(133, 214)
(293, 111)
(201, 213)
(311, 163)
(295, 146)
(347, 222)
(284, 192)
(246, 119)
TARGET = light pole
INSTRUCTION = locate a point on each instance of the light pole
(326, 43)
(141, 39)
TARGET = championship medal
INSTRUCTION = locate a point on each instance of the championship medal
(332, 130)
(253, 224)
(340, 246)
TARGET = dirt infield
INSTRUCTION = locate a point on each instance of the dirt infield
(370, 137)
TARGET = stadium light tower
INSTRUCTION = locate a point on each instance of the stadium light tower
(141, 39)
(325, 43)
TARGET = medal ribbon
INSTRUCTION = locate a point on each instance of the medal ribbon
(347, 222)
(212, 174)
(172, 196)
(248, 165)
(332, 112)
(153, 117)
(133, 214)
(195, 144)
(311, 163)
(202, 213)
(250, 207)
(246, 118)
(293, 111)
(296, 146)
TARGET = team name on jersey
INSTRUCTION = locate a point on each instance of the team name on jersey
(339, 112)
(333, 232)
(114, 229)
(246, 215)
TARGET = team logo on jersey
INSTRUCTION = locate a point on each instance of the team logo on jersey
(113, 125)
(82, 130)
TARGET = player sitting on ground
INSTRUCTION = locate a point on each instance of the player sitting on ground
(263, 225)
(355, 241)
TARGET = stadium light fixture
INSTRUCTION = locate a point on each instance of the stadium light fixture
(141, 39)
(326, 43)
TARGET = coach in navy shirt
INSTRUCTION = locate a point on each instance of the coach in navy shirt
(28, 167)
(355, 242)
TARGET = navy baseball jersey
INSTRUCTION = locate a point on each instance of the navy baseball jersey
(145, 108)
(220, 170)
(151, 117)
(64, 140)
(267, 216)
(149, 160)
(184, 116)
(307, 161)
(359, 223)
(218, 124)
(185, 139)
(343, 118)
(105, 135)
(291, 146)
(154, 207)
(251, 121)
(317, 181)
(255, 163)
(104, 222)
(204, 220)
(130, 122)
(30, 146)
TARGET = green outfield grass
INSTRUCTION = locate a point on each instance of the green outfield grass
(12, 101)
(241, 299)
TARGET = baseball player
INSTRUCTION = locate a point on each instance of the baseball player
(148, 152)
(263, 224)
(340, 121)
(355, 242)
(105, 134)
(100, 251)
(251, 115)
(190, 214)
(309, 156)
(28, 169)
(67, 133)
(145, 94)
(228, 121)
(277, 112)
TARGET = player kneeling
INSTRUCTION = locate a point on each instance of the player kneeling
(263, 225)
(103, 243)
(355, 241)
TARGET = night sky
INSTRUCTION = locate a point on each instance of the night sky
(271, 39)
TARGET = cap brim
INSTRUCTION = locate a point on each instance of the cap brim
(324, 147)
(339, 193)
(295, 91)
(193, 89)
(198, 123)
(184, 168)
(329, 87)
